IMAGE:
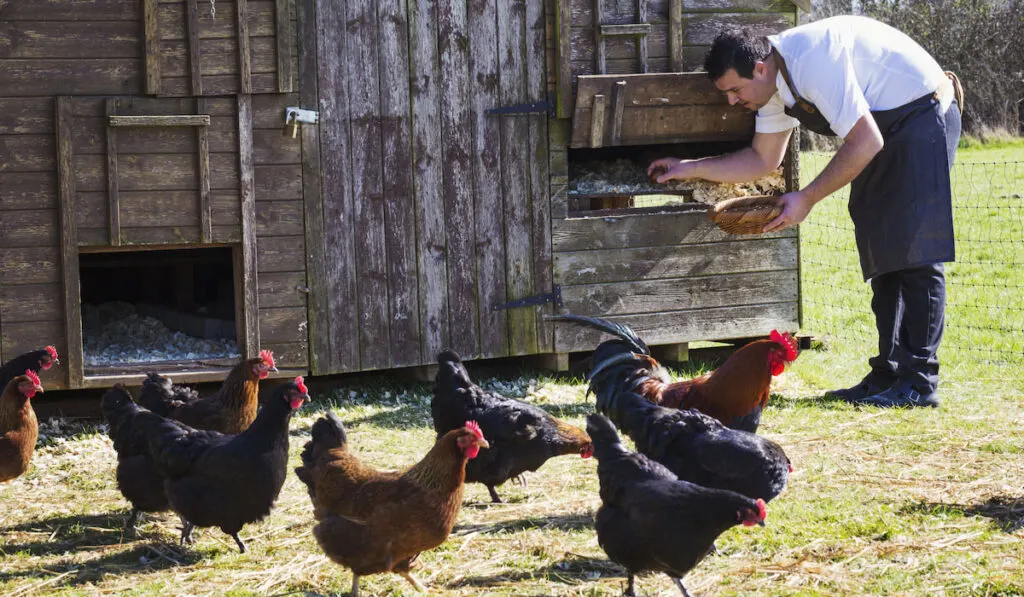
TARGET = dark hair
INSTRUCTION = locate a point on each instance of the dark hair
(738, 49)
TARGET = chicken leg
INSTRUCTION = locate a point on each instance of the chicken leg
(629, 587)
(238, 540)
(412, 580)
(186, 533)
(679, 583)
(133, 519)
(355, 585)
(494, 494)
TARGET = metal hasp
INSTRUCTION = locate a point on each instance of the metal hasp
(546, 106)
(555, 296)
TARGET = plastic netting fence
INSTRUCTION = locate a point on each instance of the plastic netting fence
(985, 286)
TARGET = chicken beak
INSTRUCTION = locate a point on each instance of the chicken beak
(761, 523)
(481, 442)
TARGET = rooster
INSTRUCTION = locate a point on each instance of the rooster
(735, 393)
(649, 520)
(33, 361)
(231, 409)
(217, 480)
(137, 476)
(19, 428)
(373, 521)
(697, 448)
(522, 436)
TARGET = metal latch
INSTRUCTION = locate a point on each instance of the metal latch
(547, 106)
(294, 116)
(555, 296)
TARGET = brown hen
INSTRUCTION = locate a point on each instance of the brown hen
(19, 428)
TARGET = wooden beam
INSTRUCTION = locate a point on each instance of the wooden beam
(176, 120)
(642, 13)
(194, 55)
(672, 353)
(285, 33)
(69, 243)
(152, 31)
(203, 157)
(675, 35)
(563, 93)
(247, 188)
(618, 107)
(317, 280)
(244, 60)
(628, 29)
(602, 55)
(114, 207)
(597, 122)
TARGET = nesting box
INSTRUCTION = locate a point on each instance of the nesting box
(358, 184)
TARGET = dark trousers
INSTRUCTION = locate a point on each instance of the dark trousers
(910, 313)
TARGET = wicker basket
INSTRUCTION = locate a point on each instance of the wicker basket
(745, 215)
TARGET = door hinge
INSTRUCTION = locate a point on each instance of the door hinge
(555, 296)
(545, 106)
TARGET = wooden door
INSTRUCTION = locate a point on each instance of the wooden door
(433, 211)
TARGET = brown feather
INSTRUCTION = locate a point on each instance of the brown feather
(19, 430)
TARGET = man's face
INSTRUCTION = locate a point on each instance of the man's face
(753, 93)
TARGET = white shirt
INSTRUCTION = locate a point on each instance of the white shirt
(848, 66)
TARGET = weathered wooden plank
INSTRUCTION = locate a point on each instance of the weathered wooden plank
(261, 22)
(651, 263)
(80, 10)
(597, 120)
(151, 30)
(50, 77)
(280, 253)
(701, 29)
(669, 294)
(277, 218)
(720, 323)
(669, 124)
(318, 302)
(626, 12)
(279, 181)
(399, 201)
(283, 324)
(28, 190)
(663, 229)
(285, 35)
(31, 302)
(250, 335)
(290, 355)
(149, 236)
(244, 58)
(262, 51)
(29, 228)
(618, 107)
(180, 120)
(486, 165)
(652, 90)
(203, 161)
(629, 29)
(195, 54)
(90, 138)
(31, 115)
(113, 206)
(563, 27)
(176, 208)
(425, 76)
(30, 265)
(362, 63)
(20, 337)
(219, 84)
(540, 187)
(600, 52)
(676, 35)
(27, 153)
(165, 172)
(66, 39)
(283, 289)
(515, 173)
(69, 243)
(642, 41)
(456, 128)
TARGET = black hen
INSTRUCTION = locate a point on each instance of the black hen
(651, 521)
(522, 437)
(137, 476)
(34, 361)
(225, 481)
(698, 448)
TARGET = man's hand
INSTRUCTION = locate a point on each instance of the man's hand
(795, 207)
(666, 169)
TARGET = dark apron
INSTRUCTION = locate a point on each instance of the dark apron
(901, 203)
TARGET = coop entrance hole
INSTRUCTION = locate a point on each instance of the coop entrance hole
(144, 308)
(613, 180)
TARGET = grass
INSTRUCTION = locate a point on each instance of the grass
(914, 503)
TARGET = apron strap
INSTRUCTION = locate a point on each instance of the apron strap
(806, 105)
(958, 90)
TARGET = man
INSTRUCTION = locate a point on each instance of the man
(894, 107)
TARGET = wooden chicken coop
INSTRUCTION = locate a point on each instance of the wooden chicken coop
(358, 184)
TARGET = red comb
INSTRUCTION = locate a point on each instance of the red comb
(52, 351)
(475, 428)
(31, 375)
(761, 510)
(302, 384)
(787, 341)
(268, 358)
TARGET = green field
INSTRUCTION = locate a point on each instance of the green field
(882, 502)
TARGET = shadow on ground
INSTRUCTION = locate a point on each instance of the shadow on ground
(1006, 512)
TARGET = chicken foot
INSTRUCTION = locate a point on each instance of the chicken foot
(679, 583)
(238, 540)
(412, 580)
(629, 587)
(186, 533)
(133, 519)
(494, 494)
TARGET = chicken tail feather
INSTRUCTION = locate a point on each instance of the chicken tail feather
(621, 331)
